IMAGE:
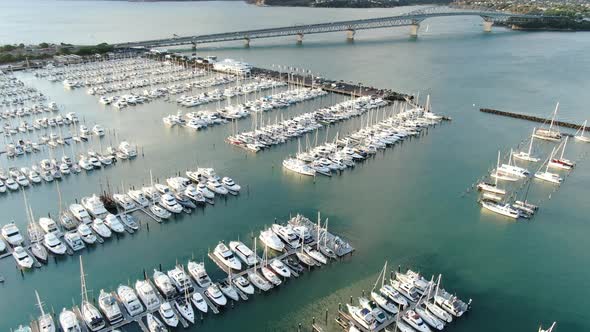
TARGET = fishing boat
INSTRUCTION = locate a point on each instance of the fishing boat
(579, 136)
(527, 156)
(199, 274)
(561, 162)
(109, 307)
(500, 208)
(154, 324)
(363, 316)
(243, 252)
(270, 239)
(168, 314)
(45, 321)
(129, 300)
(199, 302)
(69, 321)
(147, 295)
(215, 295)
(549, 134)
(90, 315)
(226, 257)
(22, 258)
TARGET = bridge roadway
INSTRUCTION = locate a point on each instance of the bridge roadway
(411, 19)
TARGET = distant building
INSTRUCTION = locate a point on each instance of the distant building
(67, 59)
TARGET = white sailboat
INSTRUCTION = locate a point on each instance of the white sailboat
(581, 137)
(549, 134)
(562, 163)
(526, 156)
(550, 329)
(546, 175)
(45, 321)
(90, 314)
(501, 175)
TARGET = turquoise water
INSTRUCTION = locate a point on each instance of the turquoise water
(404, 206)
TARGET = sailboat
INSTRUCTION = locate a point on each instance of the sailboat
(527, 209)
(90, 314)
(549, 134)
(526, 156)
(500, 175)
(562, 163)
(581, 137)
(256, 279)
(45, 321)
(511, 169)
(546, 175)
(550, 329)
(36, 234)
(492, 187)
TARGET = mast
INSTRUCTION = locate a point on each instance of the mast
(497, 166)
(318, 237)
(531, 144)
(554, 114)
(563, 150)
(83, 283)
(39, 303)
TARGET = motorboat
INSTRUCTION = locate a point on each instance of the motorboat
(164, 284)
(243, 285)
(45, 320)
(94, 206)
(192, 193)
(160, 212)
(129, 221)
(80, 213)
(429, 318)
(168, 314)
(114, 223)
(362, 316)
(414, 278)
(128, 150)
(199, 302)
(384, 303)
(150, 193)
(109, 307)
(101, 229)
(129, 300)
(303, 233)
(162, 188)
(450, 304)
(74, 241)
(124, 201)
(215, 295)
(202, 189)
(405, 289)
(69, 321)
(280, 268)
(414, 320)
(154, 324)
(12, 234)
(169, 203)
(98, 130)
(180, 279)
(393, 295)
(243, 252)
(49, 225)
(199, 274)
(287, 234)
(230, 185)
(66, 221)
(147, 295)
(53, 244)
(139, 198)
(216, 187)
(270, 239)
(86, 234)
(499, 208)
(379, 315)
(22, 258)
(228, 290)
(226, 257)
(184, 307)
(315, 254)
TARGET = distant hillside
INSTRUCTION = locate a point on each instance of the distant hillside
(347, 3)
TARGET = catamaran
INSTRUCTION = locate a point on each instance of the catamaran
(549, 134)
(511, 169)
(581, 137)
(527, 156)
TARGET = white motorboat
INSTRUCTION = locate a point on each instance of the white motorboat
(169, 203)
(164, 284)
(114, 223)
(53, 244)
(129, 221)
(203, 190)
(160, 212)
(86, 234)
(184, 307)
(109, 307)
(384, 303)
(94, 206)
(393, 295)
(124, 201)
(162, 188)
(430, 318)
(363, 316)
(147, 295)
(215, 295)
(230, 185)
(98, 130)
(12, 234)
(216, 187)
(379, 315)
(139, 198)
(579, 136)
(2, 246)
(22, 258)
(199, 302)
(151, 193)
(129, 300)
(270, 239)
(243, 285)
(154, 324)
(74, 241)
(280, 268)
(405, 289)
(49, 226)
(414, 320)
(101, 229)
(45, 321)
(199, 274)
(80, 213)
(315, 254)
(499, 208)
(226, 257)
(69, 321)
(180, 279)
(243, 252)
(128, 150)
(414, 278)
(168, 314)
(287, 234)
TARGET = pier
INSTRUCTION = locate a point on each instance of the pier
(533, 118)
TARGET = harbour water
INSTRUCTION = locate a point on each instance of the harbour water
(404, 206)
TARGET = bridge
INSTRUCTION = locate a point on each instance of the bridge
(411, 19)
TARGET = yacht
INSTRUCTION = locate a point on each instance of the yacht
(226, 257)
(160, 212)
(49, 226)
(69, 321)
(363, 316)
(94, 206)
(168, 314)
(80, 213)
(73, 240)
(154, 324)
(139, 198)
(129, 300)
(414, 278)
(230, 185)
(184, 307)
(98, 130)
(429, 318)
(12, 235)
(124, 201)
(128, 150)
(215, 295)
(393, 295)
(147, 294)
(86, 234)
(280, 268)
(287, 234)
(164, 284)
(499, 208)
(298, 166)
(45, 321)
(414, 320)
(316, 255)
(53, 244)
(22, 258)
(169, 203)
(379, 315)
(101, 229)
(109, 307)
(407, 290)
(270, 239)
(243, 285)
(199, 274)
(216, 187)
(180, 279)
(243, 252)
(384, 303)
(199, 302)
(114, 223)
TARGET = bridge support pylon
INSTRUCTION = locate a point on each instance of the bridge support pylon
(194, 46)
(246, 42)
(414, 30)
(350, 35)
(299, 38)
(487, 26)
